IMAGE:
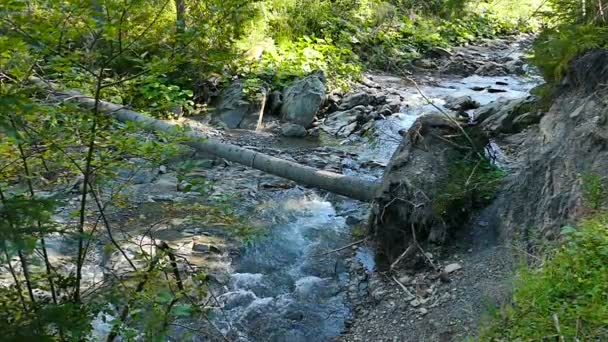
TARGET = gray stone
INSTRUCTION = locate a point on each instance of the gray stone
(439, 52)
(274, 103)
(293, 130)
(492, 69)
(344, 123)
(205, 248)
(516, 67)
(500, 116)
(352, 100)
(137, 175)
(237, 111)
(237, 299)
(303, 99)
(452, 268)
(405, 280)
(461, 103)
(379, 294)
(424, 63)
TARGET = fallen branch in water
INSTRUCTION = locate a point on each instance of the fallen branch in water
(343, 247)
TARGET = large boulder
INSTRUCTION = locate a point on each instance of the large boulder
(461, 103)
(303, 99)
(274, 103)
(507, 116)
(292, 130)
(352, 100)
(492, 69)
(236, 110)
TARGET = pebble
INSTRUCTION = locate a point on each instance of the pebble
(452, 268)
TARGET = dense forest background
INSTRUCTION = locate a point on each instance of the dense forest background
(172, 58)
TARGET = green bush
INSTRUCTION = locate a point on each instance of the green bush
(555, 48)
(567, 298)
(573, 27)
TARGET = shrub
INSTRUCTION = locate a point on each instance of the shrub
(567, 298)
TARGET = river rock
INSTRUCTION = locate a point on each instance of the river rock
(205, 248)
(461, 103)
(236, 110)
(359, 98)
(303, 99)
(332, 101)
(452, 268)
(516, 67)
(500, 116)
(240, 298)
(344, 123)
(492, 69)
(461, 66)
(438, 52)
(274, 103)
(293, 131)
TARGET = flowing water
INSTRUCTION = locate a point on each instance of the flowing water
(282, 289)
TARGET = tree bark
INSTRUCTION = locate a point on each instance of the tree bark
(348, 186)
(180, 20)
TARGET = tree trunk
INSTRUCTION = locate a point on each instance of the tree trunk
(180, 19)
(348, 186)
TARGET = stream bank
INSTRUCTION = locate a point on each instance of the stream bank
(353, 297)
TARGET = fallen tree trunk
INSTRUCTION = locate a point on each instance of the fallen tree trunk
(348, 186)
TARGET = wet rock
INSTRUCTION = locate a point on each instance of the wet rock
(136, 175)
(492, 69)
(314, 132)
(205, 248)
(352, 220)
(405, 279)
(369, 83)
(462, 67)
(359, 98)
(237, 111)
(516, 67)
(303, 99)
(344, 123)
(236, 299)
(315, 287)
(386, 110)
(452, 268)
(499, 116)
(293, 130)
(496, 90)
(527, 119)
(379, 294)
(274, 103)
(424, 63)
(439, 52)
(462, 103)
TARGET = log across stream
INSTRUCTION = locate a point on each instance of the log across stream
(279, 290)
